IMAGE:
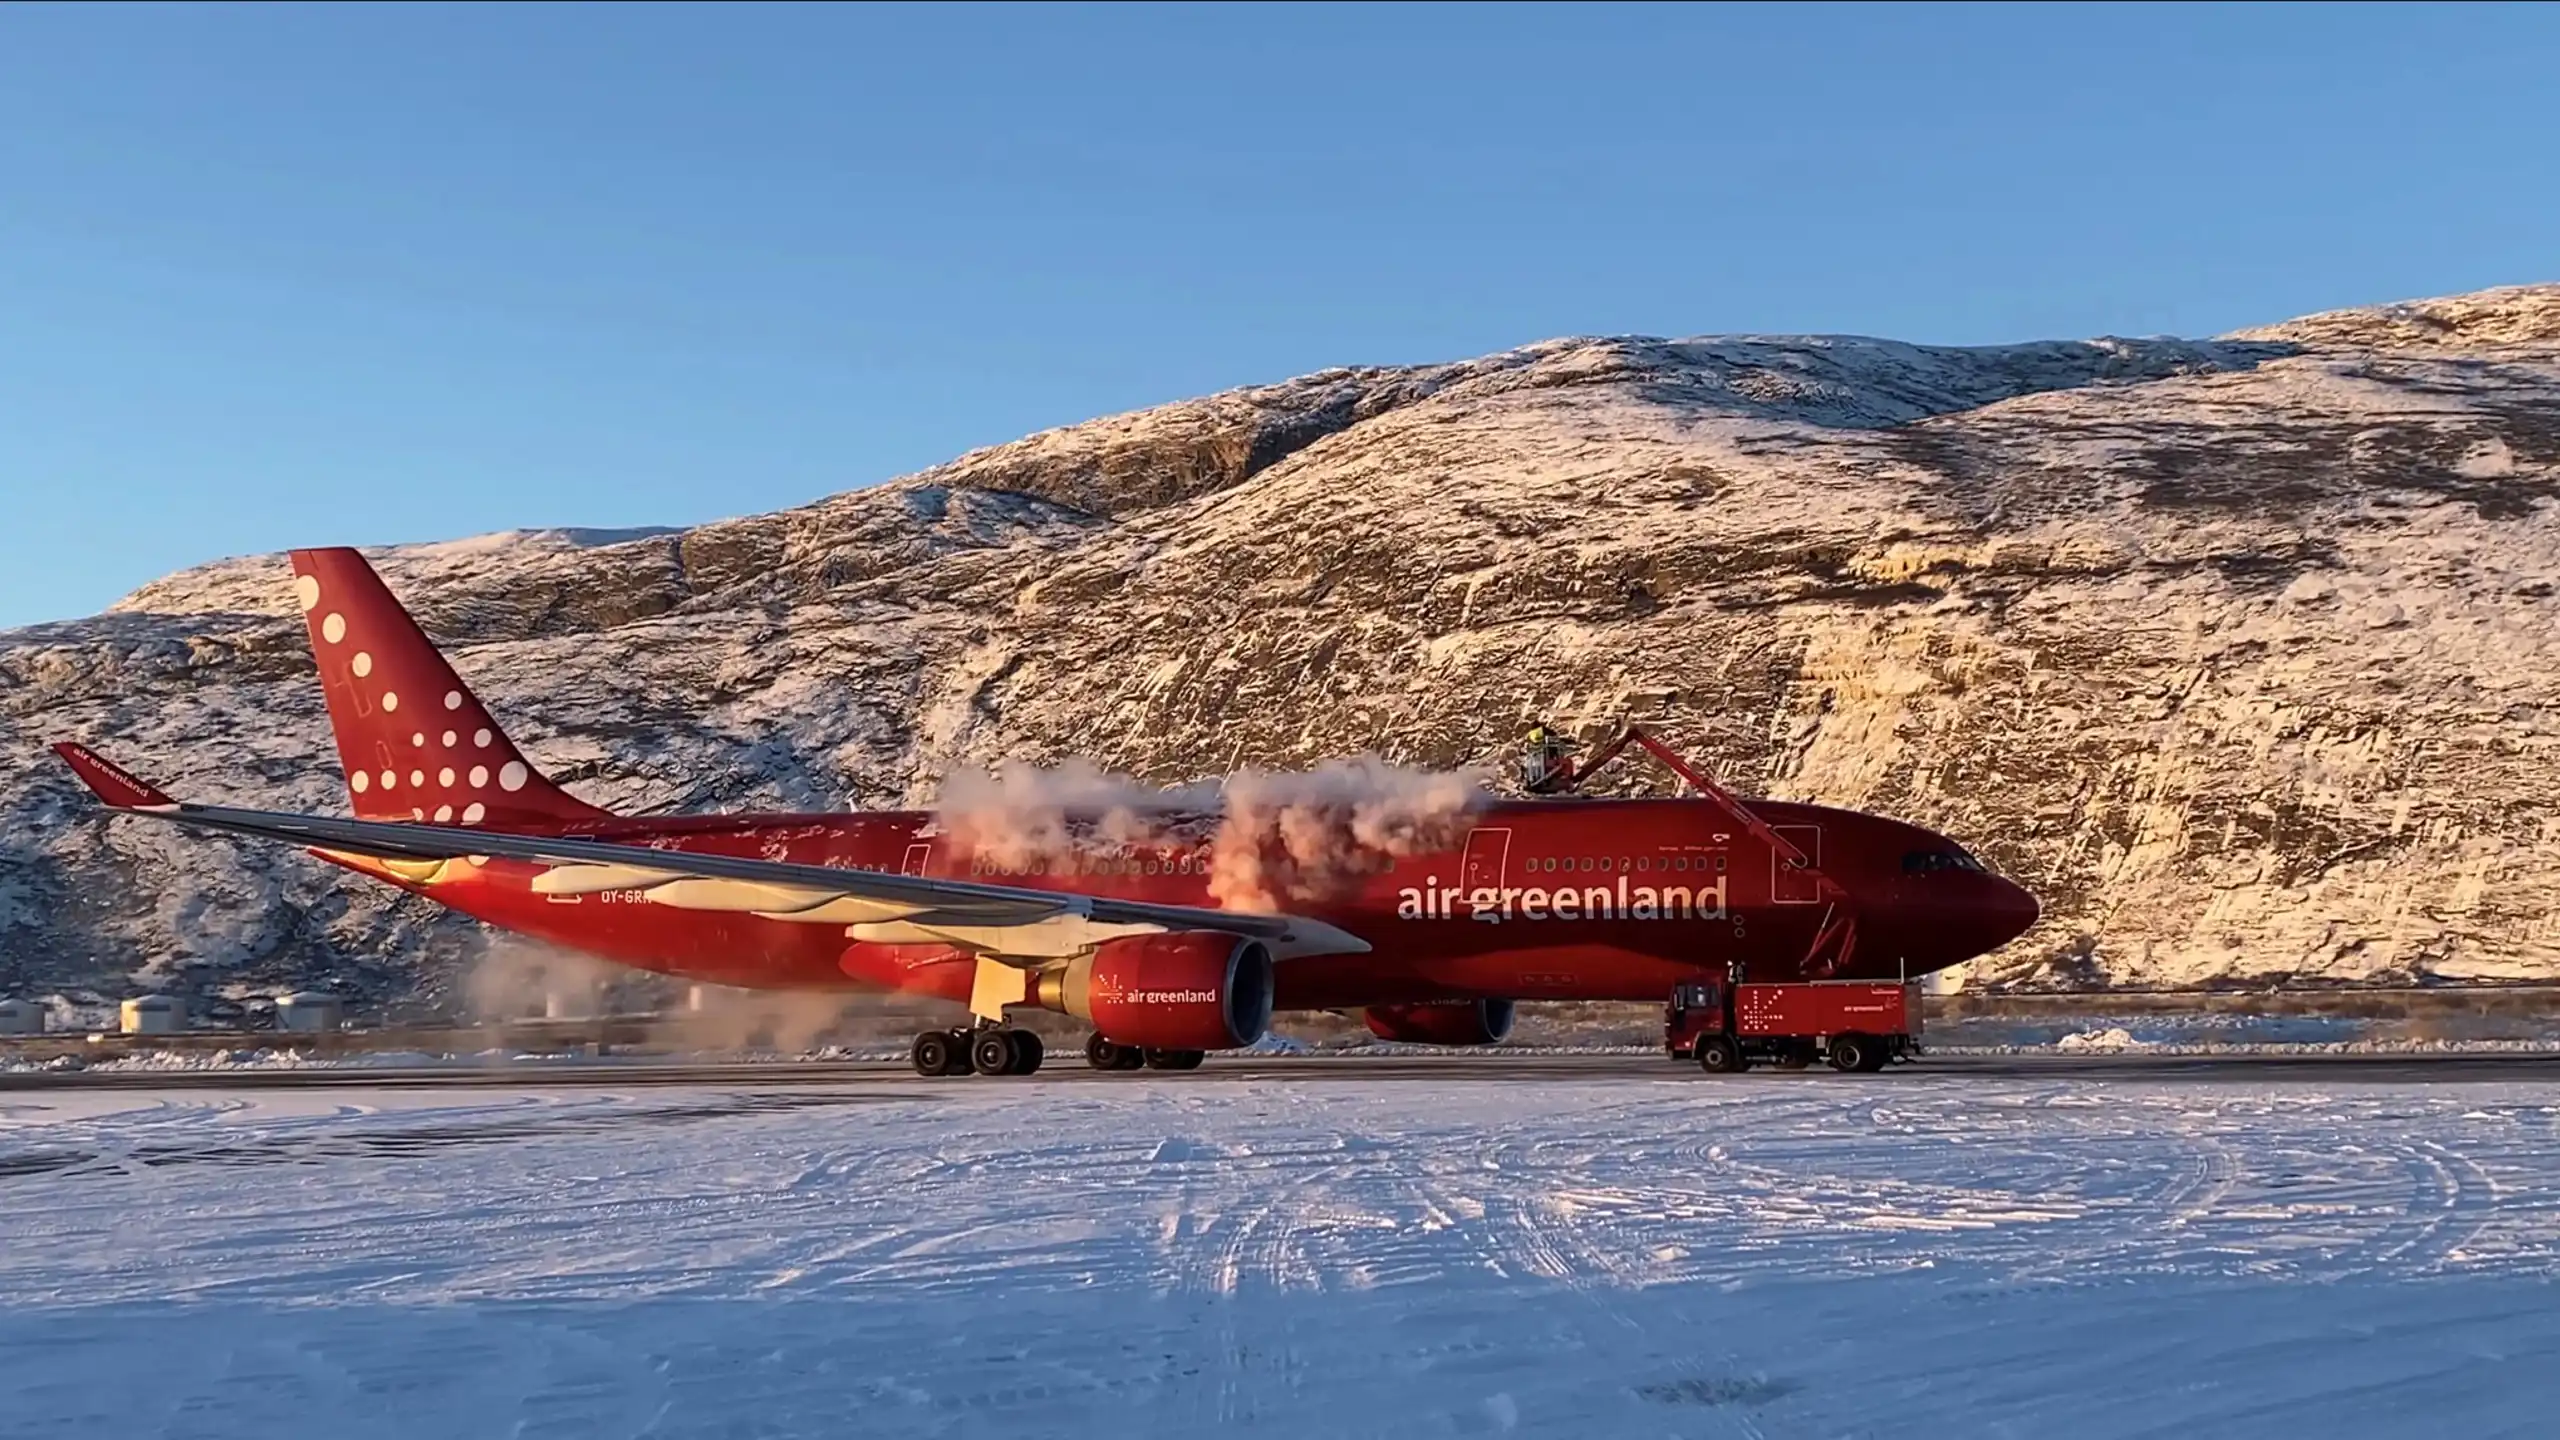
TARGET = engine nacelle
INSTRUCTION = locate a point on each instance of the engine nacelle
(1442, 1022)
(1196, 990)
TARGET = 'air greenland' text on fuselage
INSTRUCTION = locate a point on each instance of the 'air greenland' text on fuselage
(1624, 901)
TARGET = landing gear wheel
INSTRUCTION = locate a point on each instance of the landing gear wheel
(1175, 1059)
(1718, 1055)
(1102, 1054)
(1027, 1052)
(1855, 1053)
(933, 1054)
(991, 1052)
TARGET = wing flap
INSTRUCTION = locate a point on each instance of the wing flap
(1055, 938)
(596, 879)
(777, 902)
(848, 910)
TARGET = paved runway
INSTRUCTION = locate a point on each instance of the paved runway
(2310, 1068)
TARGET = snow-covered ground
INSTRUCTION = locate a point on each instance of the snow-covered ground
(1762, 1256)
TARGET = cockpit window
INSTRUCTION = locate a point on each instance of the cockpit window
(1926, 862)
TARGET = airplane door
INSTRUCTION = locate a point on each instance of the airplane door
(914, 863)
(1789, 885)
(1488, 859)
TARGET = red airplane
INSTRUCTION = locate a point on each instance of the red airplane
(1538, 899)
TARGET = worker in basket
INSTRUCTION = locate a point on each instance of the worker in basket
(1547, 765)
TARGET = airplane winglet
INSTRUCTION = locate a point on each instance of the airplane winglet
(111, 782)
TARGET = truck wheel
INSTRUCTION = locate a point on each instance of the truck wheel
(1850, 1052)
(1718, 1055)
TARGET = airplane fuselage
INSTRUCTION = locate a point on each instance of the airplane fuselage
(1536, 900)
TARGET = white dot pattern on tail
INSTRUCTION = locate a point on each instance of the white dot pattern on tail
(334, 628)
(513, 776)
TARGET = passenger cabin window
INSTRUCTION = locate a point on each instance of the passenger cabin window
(1636, 864)
(1929, 862)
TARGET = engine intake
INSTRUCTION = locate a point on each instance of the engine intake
(1196, 990)
(1442, 1022)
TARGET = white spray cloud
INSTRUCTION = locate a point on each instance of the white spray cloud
(517, 977)
(1272, 839)
(1020, 815)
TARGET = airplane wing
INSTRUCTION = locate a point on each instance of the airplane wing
(1004, 922)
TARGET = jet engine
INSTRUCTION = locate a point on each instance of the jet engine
(1442, 1022)
(1195, 990)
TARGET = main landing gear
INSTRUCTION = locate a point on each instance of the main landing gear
(987, 1050)
(1002, 1050)
(1102, 1054)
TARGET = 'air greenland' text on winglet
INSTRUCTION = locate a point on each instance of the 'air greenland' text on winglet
(111, 782)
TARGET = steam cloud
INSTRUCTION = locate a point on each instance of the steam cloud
(1270, 839)
(1018, 815)
(515, 977)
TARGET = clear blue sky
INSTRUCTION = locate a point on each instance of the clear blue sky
(280, 276)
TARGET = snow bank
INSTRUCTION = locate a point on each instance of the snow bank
(2101, 1040)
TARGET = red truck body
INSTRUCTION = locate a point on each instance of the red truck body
(1826, 1008)
(1854, 1025)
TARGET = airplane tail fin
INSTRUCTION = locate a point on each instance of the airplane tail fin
(416, 743)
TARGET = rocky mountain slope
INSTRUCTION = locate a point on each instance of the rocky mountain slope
(2242, 653)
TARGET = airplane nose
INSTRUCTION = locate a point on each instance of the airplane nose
(2012, 911)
